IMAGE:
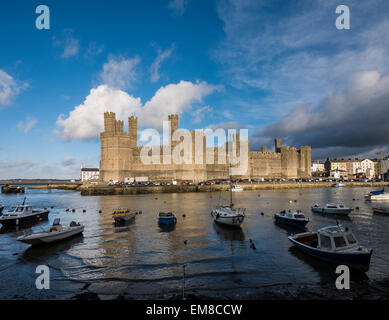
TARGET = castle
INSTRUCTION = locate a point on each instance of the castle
(121, 158)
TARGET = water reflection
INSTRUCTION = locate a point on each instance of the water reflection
(227, 233)
(149, 259)
(45, 251)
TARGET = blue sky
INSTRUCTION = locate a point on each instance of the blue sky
(278, 68)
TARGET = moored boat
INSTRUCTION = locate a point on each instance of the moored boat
(381, 210)
(236, 188)
(334, 244)
(56, 233)
(338, 185)
(228, 215)
(377, 195)
(332, 208)
(124, 215)
(167, 218)
(292, 218)
(22, 215)
(12, 189)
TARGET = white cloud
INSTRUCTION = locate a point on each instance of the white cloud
(86, 120)
(162, 56)
(178, 6)
(68, 43)
(26, 125)
(9, 88)
(199, 114)
(119, 72)
(174, 98)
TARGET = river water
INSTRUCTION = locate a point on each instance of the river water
(142, 261)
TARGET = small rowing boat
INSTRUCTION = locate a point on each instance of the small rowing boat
(124, 215)
(167, 218)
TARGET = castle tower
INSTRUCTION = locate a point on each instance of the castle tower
(133, 130)
(109, 122)
(278, 144)
(115, 149)
(173, 120)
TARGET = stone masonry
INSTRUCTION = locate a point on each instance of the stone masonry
(120, 158)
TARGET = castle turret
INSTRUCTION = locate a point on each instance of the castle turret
(173, 120)
(109, 122)
(278, 144)
(133, 130)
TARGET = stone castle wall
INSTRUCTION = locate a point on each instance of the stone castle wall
(120, 158)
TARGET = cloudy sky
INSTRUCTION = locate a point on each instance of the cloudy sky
(279, 68)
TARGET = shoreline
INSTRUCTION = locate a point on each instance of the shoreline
(92, 190)
(359, 290)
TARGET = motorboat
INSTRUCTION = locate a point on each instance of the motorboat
(236, 188)
(332, 208)
(12, 189)
(22, 215)
(338, 185)
(167, 218)
(292, 218)
(57, 232)
(381, 210)
(228, 215)
(377, 195)
(124, 215)
(334, 244)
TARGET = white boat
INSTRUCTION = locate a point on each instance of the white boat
(332, 208)
(56, 233)
(236, 188)
(229, 215)
(378, 195)
(334, 244)
(338, 185)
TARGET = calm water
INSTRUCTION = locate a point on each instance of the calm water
(142, 260)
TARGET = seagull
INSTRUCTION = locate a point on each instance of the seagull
(252, 245)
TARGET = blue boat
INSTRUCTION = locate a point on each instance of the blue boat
(334, 244)
(167, 218)
(292, 218)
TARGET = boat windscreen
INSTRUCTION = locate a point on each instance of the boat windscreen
(340, 242)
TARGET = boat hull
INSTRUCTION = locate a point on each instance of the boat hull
(378, 197)
(301, 224)
(357, 261)
(127, 218)
(167, 221)
(339, 212)
(229, 221)
(381, 210)
(50, 237)
(23, 221)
